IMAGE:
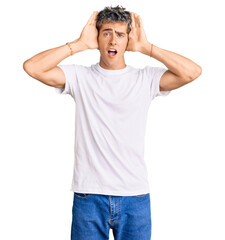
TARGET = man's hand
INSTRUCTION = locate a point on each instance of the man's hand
(89, 34)
(137, 40)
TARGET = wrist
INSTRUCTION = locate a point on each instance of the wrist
(82, 45)
(77, 46)
(147, 49)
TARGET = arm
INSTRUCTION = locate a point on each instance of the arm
(180, 71)
(43, 66)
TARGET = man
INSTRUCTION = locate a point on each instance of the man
(110, 182)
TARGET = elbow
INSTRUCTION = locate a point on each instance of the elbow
(27, 67)
(199, 71)
(196, 73)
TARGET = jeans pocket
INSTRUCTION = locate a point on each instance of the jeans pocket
(142, 195)
(81, 195)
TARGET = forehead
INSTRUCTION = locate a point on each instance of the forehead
(117, 26)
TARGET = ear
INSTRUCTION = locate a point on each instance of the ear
(127, 44)
(98, 43)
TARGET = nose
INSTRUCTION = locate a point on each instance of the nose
(113, 39)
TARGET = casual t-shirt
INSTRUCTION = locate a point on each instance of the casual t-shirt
(110, 120)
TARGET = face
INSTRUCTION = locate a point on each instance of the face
(113, 36)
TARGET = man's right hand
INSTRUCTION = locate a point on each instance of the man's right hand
(89, 34)
(43, 66)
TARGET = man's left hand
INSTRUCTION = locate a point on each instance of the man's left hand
(137, 40)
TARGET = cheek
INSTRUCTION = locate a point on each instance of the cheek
(101, 42)
(125, 44)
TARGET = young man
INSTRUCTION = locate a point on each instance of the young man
(110, 182)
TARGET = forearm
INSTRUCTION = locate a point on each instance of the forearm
(179, 65)
(49, 59)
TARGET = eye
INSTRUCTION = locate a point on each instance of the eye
(105, 34)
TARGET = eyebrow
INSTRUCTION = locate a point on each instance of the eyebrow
(110, 29)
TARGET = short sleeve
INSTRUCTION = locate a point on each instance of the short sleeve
(154, 75)
(70, 84)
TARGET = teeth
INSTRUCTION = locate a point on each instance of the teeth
(112, 50)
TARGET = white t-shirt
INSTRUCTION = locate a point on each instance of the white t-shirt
(110, 120)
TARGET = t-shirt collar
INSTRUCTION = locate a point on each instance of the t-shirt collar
(111, 72)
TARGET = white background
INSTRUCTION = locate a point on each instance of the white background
(185, 130)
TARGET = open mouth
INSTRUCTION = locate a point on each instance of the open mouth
(112, 52)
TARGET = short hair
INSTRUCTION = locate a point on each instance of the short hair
(113, 14)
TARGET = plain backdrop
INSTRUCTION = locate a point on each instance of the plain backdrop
(184, 143)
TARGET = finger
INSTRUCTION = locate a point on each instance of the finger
(90, 20)
(94, 19)
(141, 22)
(137, 22)
(133, 21)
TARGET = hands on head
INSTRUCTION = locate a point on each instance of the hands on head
(89, 33)
(136, 39)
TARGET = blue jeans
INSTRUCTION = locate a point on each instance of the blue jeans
(129, 217)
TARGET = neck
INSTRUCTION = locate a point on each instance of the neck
(115, 66)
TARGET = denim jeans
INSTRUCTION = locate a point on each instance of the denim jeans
(129, 217)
